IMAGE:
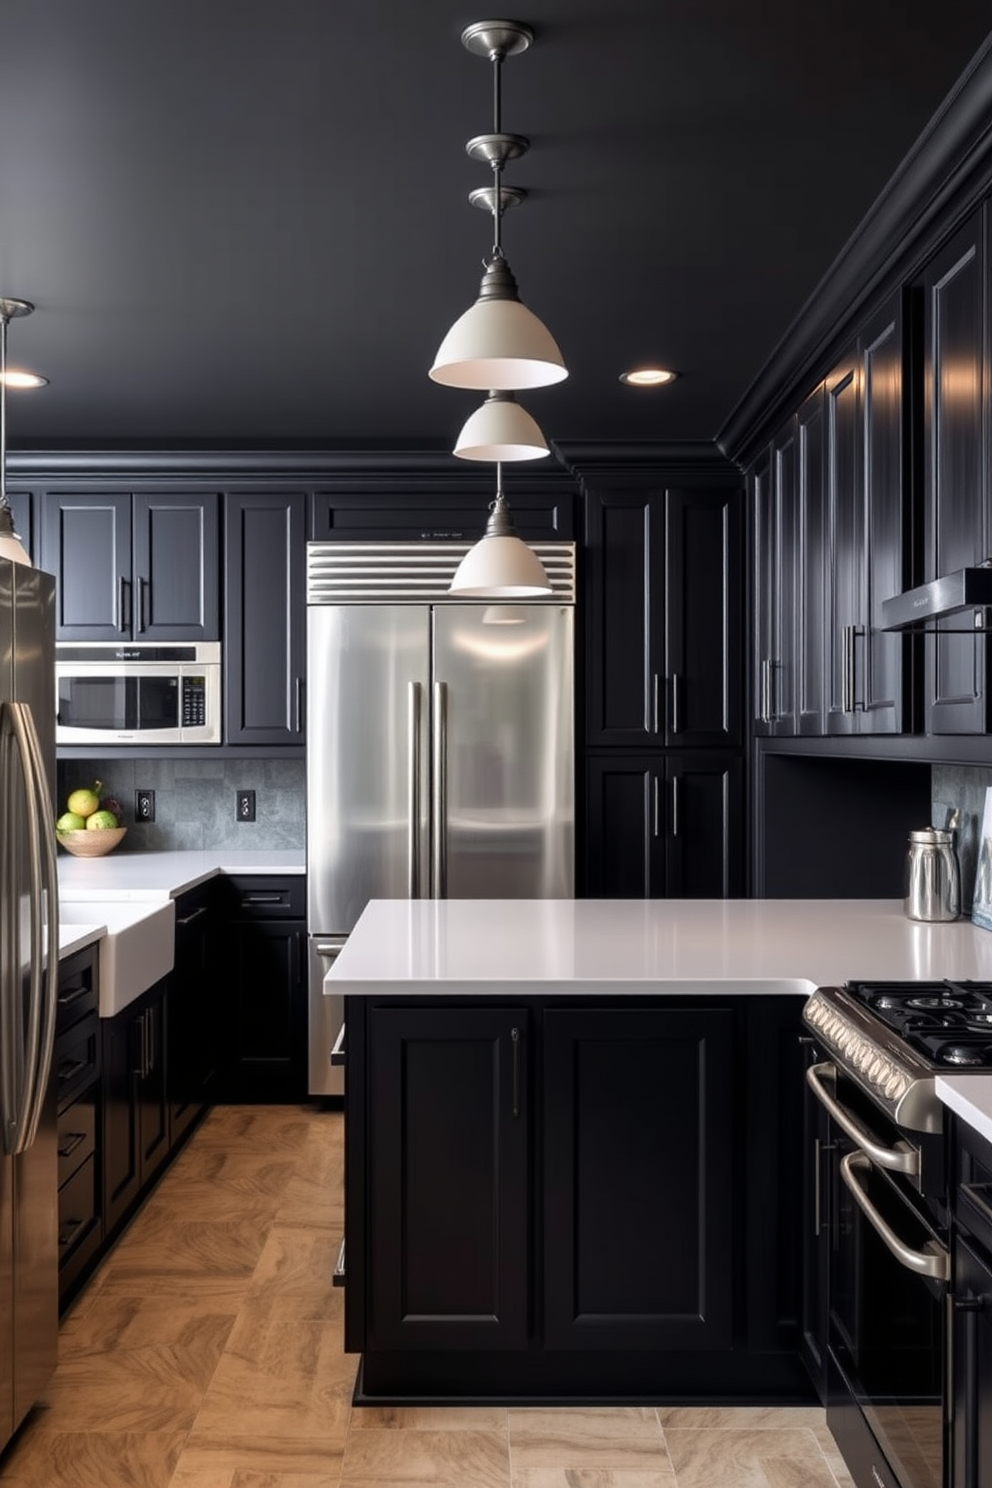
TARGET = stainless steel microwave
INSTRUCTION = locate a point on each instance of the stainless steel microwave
(116, 692)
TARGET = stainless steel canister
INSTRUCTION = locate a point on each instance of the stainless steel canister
(933, 879)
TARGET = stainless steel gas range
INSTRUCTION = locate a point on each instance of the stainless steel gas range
(883, 1211)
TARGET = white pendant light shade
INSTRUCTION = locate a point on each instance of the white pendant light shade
(500, 430)
(498, 343)
(500, 566)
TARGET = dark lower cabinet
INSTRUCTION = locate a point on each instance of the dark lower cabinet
(135, 1101)
(816, 1213)
(969, 1373)
(76, 1071)
(194, 1022)
(664, 824)
(264, 1031)
(639, 1223)
(449, 1178)
(570, 1198)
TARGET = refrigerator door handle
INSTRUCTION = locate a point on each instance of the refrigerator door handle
(22, 1108)
(414, 726)
(439, 791)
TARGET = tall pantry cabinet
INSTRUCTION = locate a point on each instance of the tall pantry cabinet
(663, 674)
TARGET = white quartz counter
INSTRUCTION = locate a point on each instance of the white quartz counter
(970, 1097)
(713, 946)
(164, 875)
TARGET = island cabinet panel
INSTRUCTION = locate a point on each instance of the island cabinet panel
(638, 1222)
(448, 1219)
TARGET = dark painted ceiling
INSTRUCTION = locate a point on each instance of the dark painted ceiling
(248, 222)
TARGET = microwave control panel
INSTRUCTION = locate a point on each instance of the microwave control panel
(194, 702)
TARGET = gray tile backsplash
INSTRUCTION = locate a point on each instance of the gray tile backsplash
(964, 787)
(195, 799)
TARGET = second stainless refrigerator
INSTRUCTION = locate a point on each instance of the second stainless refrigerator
(440, 758)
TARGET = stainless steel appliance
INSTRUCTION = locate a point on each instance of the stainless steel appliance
(439, 744)
(113, 692)
(28, 985)
(881, 1191)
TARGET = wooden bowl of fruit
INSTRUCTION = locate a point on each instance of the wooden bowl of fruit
(89, 827)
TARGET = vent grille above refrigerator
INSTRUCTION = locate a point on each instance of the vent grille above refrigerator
(416, 573)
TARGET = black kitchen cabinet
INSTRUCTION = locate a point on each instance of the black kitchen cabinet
(664, 823)
(449, 1177)
(264, 617)
(24, 513)
(135, 1101)
(817, 1209)
(866, 550)
(664, 617)
(811, 573)
(441, 507)
(194, 1023)
(970, 1367)
(264, 1055)
(583, 1198)
(76, 1073)
(141, 567)
(774, 504)
(639, 1225)
(956, 394)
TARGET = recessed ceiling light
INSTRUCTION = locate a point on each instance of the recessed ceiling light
(15, 379)
(648, 377)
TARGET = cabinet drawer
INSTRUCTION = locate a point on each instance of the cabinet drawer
(77, 1059)
(77, 1133)
(77, 993)
(77, 1208)
(268, 898)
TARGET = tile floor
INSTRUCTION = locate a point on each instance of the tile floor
(206, 1353)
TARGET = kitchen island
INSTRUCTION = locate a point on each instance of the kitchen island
(574, 1138)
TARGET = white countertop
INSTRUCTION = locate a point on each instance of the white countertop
(715, 946)
(970, 1097)
(164, 875)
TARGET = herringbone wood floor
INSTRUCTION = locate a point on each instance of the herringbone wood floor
(206, 1353)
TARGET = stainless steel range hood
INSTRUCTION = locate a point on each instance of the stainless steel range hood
(954, 594)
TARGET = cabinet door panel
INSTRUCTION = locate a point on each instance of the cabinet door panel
(812, 566)
(884, 571)
(763, 604)
(176, 574)
(626, 548)
(153, 1105)
(956, 536)
(703, 833)
(86, 542)
(624, 846)
(265, 618)
(703, 631)
(266, 1029)
(121, 1144)
(845, 543)
(449, 1193)
(639, 1239)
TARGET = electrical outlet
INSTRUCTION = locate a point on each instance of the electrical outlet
(144, 805)
(245, 809)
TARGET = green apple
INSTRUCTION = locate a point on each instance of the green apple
(100, 821)
(84, 802)
(70, 821)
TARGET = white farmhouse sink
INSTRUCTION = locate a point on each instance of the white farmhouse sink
(137, 950)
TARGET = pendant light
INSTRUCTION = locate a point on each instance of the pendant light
(11, 546)
(500, 565)
(498, 343)
(500, 429)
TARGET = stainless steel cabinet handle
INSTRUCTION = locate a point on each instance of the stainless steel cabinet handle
(188, 919)
(440, 783)
(515, 1039)
(934, 1261)
(338, 1047)
(121, 603)
(142, 590)
(676, 684)
(298, 688)
(899, 1159)
(657, 806)
(676, 793)
(819, 1148)
(654, 703)
(414, 733)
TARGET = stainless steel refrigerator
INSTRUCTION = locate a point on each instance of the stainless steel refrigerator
(440, 745)
(28, 988)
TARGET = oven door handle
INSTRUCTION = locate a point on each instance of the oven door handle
(902, 1158)
(934, 1261)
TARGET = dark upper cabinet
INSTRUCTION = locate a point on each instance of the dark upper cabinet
(867, 530)
(958, 696)
(23, 511)
(138, 567)
(639, 1225)
(265, 618)
(664, 824)
(665, 618)
(811, 576)
(417, 508)
(774, 504)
